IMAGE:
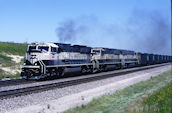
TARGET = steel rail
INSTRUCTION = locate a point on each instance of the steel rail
(4, 83)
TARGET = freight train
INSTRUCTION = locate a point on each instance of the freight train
(44, 60)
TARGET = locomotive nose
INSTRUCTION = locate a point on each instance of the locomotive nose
(33, 58)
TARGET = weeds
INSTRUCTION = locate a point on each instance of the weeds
(160, 101)
(4, 75)
(5, 58)
(5, 61)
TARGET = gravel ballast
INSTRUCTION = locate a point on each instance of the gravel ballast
(38, 83)
(58, 100)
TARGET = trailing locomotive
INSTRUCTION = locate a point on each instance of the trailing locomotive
(55, 59)
(105, 58)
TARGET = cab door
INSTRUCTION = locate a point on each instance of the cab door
(54, 56)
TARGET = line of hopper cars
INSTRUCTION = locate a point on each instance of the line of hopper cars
(150, 59)
(44, 60)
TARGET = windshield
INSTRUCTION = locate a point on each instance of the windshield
(31, 48)
(96, 51)
(43, 48)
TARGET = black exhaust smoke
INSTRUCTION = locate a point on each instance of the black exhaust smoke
(150, 32)
(143, 31)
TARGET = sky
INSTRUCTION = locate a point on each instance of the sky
(140, 25)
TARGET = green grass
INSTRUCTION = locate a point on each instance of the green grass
(6, 61)
(22, 61)
(3, 75)
(5, 58)
(158, 102)
(1, 71)
(13, 48)
(122, 99)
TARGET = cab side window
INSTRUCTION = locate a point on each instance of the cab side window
(53, 49)
(60, 50)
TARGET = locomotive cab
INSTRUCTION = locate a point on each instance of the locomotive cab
(97, 53)
(38, 55)
(40, 51)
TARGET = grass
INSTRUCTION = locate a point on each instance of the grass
(13, 48)
(6, 61)
(22, 61)
(5, 58)
(158, 102)
(3, 75)
(122, 99)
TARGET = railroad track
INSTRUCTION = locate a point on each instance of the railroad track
(35, 89)
(5, 83)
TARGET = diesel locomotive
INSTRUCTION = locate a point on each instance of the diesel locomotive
(55, 59)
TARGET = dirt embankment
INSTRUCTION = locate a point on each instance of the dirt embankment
(12, 66)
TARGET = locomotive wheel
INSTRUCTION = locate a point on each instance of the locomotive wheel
(61, 72)
(83, 70)
(95, 66)
(104, 68)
